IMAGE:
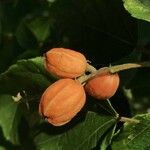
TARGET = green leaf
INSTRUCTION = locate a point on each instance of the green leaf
(25, 37)
(138, 8)
(106, 141)
(83, 136)
(29, 79)
(28, 54)
(9, 118)
(134, 136)
(40, 27)
(27, 75)
(2, 148)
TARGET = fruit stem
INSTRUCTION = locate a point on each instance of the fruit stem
(113, 109)
(111, 69)
(85, 77)
(117, 68)
(129, 120)
(90, 68)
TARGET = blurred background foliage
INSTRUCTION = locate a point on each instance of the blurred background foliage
(103, 31)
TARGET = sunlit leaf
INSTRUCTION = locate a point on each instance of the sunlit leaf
(83, 136)
(29, 75)
(9, 118)
(134, 136)
(138, 8)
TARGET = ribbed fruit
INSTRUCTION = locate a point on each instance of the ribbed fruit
(103, 86)
(65, 63)
(62, 101)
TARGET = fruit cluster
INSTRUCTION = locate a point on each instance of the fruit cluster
(62, 100)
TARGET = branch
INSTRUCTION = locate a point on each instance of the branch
(111, 69)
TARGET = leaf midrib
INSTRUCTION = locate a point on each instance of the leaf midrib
(138, 134)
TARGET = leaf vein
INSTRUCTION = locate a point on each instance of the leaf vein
(94, 133)
(139, 134)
